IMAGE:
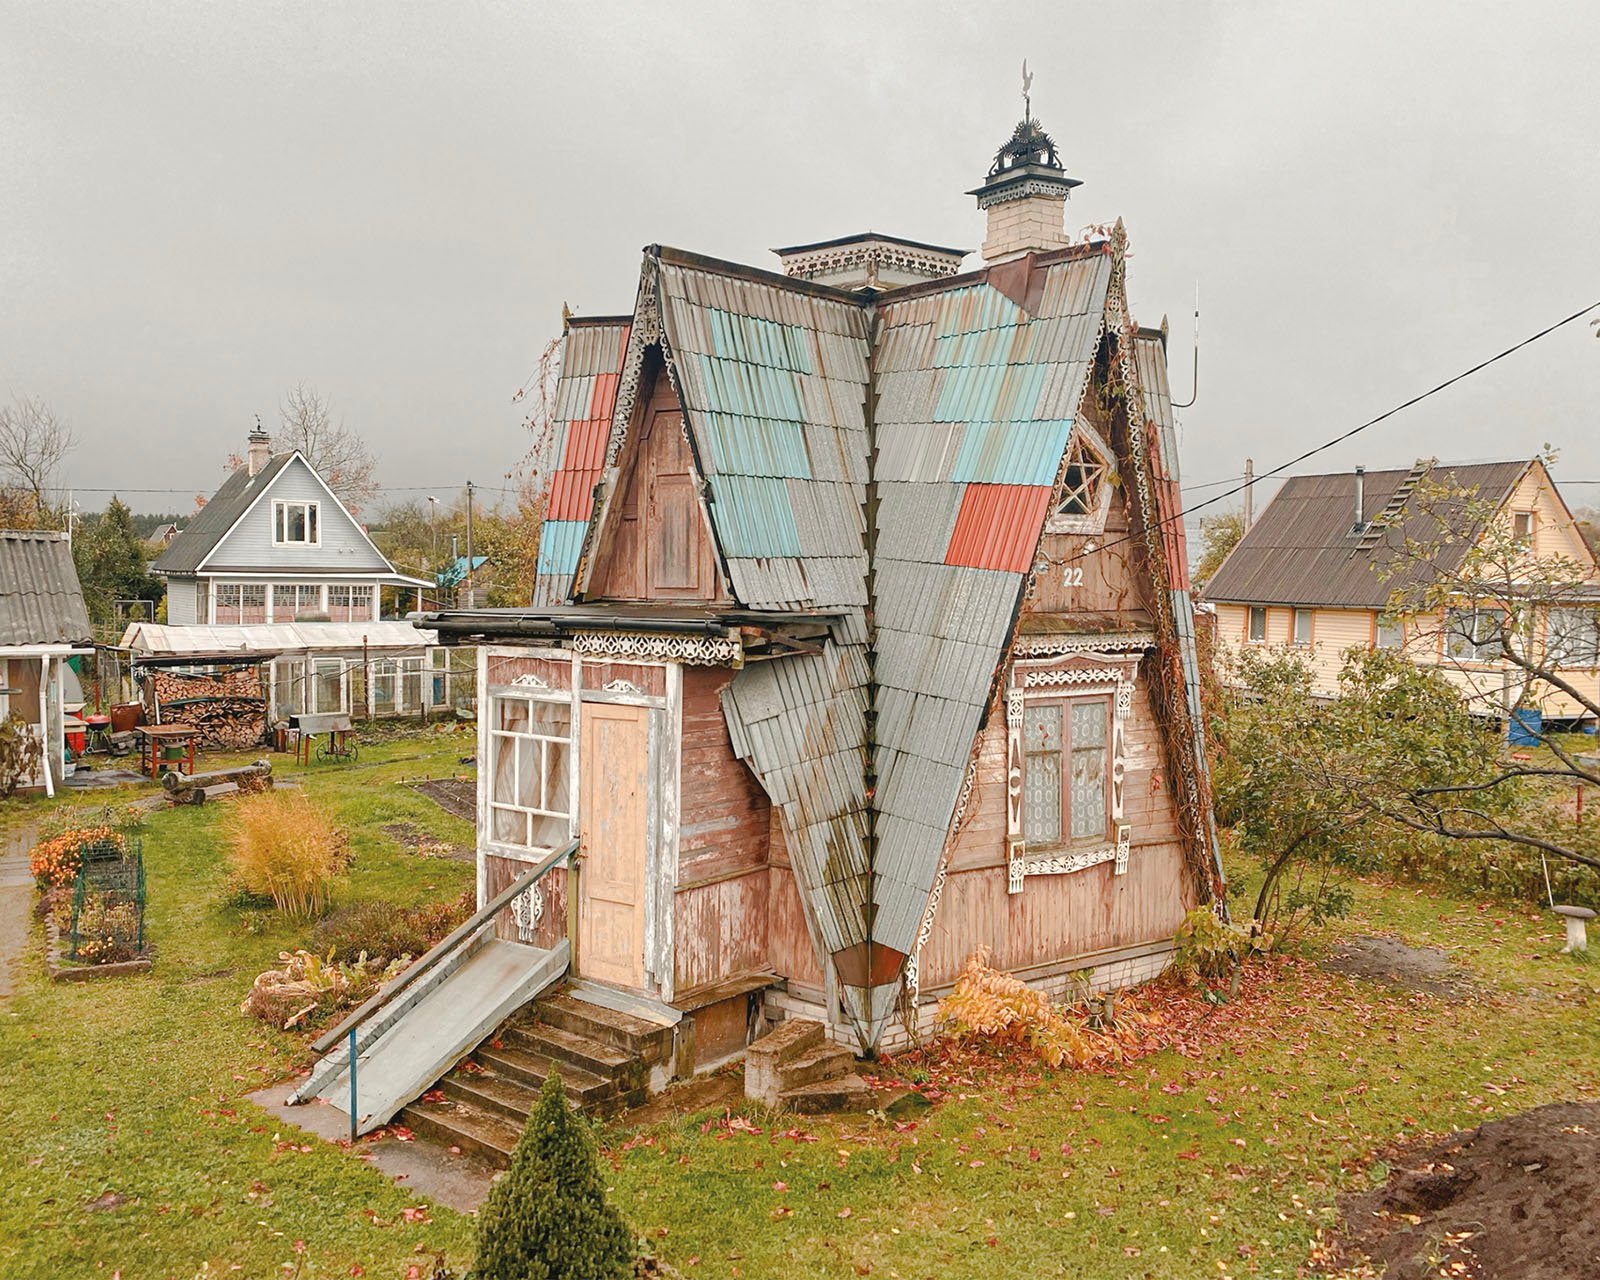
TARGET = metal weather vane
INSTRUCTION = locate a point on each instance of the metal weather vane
(1027, 88)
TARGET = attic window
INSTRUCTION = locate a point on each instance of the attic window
(1085, 490)
(294, 524)
(1522, 526)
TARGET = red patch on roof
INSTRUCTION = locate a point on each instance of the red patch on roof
(586, 444)
(604, 397)
(571, 495)
(998, 526)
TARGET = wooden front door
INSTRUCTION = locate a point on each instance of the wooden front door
(614, 759)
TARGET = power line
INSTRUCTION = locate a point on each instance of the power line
(1343, 436)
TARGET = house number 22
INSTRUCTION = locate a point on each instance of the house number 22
(1072, 576)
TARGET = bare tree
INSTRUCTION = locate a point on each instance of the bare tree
(33, 443)
(341, 456)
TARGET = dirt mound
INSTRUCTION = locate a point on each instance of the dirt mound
(1518, 1197)
(1390, 961)
(458, 796)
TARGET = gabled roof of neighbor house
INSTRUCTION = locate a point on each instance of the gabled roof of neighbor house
(1305, 549)
(41, 601)
(973, 384)
(193, 545)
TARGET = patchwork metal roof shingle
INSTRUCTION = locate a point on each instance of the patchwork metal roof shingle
(41, 602)
(889, 460)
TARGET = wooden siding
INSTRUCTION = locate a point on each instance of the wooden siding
(1110, 582)
(500, 873)
(720, 910)
(503, 669)
(657, 546)
(648, 681)
(344, 547)
(1058, 917)
(789, 945)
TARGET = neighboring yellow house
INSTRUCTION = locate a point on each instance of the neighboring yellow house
(1307, 575)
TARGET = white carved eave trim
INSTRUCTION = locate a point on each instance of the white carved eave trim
(625, 646)
(527, 680)
(1096, 648)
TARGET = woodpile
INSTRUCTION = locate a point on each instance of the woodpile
(229, 710)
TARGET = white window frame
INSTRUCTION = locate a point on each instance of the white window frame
(1084, 448)
(311, 515)
(1572, 638)
(1389, 633)
(1461, 645)
(1523, 525)
(1253, 611)
(1298, 640)
(231, 595)
(301, 591)
(497, 737)
(351, 590)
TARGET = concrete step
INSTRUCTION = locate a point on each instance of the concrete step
(647, 1041)
(453, 1123)
(561, 1045)
(846, 1093)
(828, 1062)
(530, 1069)
(498, 1095)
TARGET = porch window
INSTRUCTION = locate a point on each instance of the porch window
(1473, 635)
(294, 524)
(1065, 771)
(292, 599)
(1302, 628)
(350, 604)
(241, 602)
(1573, 638)
(530, 789)
(1258, 624)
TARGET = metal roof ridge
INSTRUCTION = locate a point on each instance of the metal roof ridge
(1068, 253)
(756, 275)
(872, 235)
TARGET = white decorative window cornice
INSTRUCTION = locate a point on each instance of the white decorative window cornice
(693, 650)
(1097, 648)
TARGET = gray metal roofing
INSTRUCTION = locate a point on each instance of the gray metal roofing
(41, 601)
(1302, 549)
(211, 523)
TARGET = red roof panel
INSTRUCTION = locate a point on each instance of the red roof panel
(571, 495)
(586, 444)
(998, 526)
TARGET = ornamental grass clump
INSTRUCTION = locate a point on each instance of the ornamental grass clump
(988, 1005)
(547, 1218)
(283, 847)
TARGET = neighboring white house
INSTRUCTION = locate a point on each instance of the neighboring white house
(274, 544)
(274, 564)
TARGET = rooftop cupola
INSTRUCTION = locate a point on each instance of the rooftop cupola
(870, 260)
(1025, 194)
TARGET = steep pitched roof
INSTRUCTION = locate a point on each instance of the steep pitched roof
(41, 601)
(211, 523)
(1304, 549)
(899, 451)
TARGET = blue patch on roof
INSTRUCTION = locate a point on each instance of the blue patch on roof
(1011, 453)
(754, 517)
(559, 543)
(751, 390)
(754, 447)
(989, 393)
(759, 342)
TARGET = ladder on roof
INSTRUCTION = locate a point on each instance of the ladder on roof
(1374, 533)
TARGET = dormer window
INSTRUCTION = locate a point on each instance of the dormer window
(295, 524)
(1085, 489)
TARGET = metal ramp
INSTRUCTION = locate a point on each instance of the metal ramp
(437, 1011)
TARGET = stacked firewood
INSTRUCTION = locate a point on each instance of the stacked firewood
(229, 710)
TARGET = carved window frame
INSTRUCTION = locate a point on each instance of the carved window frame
(1090, 675)
(1084, 443)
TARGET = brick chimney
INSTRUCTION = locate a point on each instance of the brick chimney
(1025, 196)
(259, 450)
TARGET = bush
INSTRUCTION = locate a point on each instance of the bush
(20, 753)
(986, 1004)
(385, 933)
(1213, 950)
(309, 988)
(284, 848)
(548, 1219)
(57, 859)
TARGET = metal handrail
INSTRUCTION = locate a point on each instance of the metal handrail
(443, 949)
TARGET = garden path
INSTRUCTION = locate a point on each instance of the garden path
(16, 899)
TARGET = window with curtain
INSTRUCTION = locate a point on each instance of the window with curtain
(530, 792)
(1258, 623)
(1066, 771)
(1573, 638)
(295, 524)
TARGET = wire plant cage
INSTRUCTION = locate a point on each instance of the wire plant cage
(108, 904)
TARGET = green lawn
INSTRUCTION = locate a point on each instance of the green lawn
(1220, 1160)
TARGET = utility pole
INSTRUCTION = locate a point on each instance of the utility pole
(471, 602)
(1249, 493)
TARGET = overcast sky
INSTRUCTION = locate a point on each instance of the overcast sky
(203, 204)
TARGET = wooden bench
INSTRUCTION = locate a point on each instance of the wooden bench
(196, 788)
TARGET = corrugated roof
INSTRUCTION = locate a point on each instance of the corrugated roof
(209, 525)
(1304, 549)
(276, 637)
(41, 602)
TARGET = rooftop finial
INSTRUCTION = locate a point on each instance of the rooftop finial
(1027, 87)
